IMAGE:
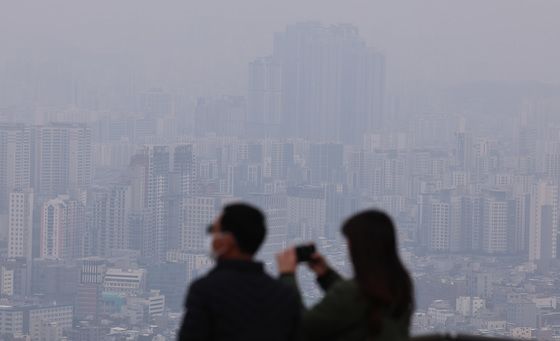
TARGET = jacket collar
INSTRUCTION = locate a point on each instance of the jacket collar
(240, 265)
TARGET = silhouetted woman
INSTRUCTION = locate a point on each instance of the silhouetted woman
(377, 303)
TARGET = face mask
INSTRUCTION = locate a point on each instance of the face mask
(209, 248)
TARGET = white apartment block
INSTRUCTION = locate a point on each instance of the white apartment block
(20, 225)
(131, 281)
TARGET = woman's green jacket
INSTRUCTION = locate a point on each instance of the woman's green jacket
(342, 314)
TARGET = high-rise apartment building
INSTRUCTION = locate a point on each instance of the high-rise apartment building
(184, 163)
(63, 158)
(394, 174)
(521, 221)
(496, 227)
(445, 221)
(543, 221)
(183, 184)
(324, 80)
(552, 161)
(438, 237)
(463, 150)
(108, 210)
(15, 160)
(471, 223)
(80, 164)
(20, 238)
(264, 98)
(306, 207)
(156, 191)
(62, 228)
(281, 159)
(20, 225)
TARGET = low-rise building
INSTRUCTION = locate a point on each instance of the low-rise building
(130, 281)
(35, 321)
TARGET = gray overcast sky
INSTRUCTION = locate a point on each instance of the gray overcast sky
(210, 42)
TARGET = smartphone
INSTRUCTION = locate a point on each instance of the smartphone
(304, 252)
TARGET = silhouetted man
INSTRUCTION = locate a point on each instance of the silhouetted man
(237, 300)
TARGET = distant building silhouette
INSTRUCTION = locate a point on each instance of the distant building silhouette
(63, 158)
(321, 82)
(15, 160)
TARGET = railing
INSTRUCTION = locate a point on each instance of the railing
(457, 337)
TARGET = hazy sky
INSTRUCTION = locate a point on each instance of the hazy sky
(208, 43)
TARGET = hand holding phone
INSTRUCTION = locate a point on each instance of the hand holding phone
(304, 252)
(318, 264)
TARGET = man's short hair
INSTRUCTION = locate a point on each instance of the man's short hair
(247, 224)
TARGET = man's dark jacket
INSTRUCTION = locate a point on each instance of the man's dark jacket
(237, 300)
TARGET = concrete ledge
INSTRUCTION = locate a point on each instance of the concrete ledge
(457, 337)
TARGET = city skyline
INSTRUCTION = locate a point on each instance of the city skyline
(110, 172)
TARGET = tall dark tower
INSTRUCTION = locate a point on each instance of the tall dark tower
(157, 187)
(321, 82)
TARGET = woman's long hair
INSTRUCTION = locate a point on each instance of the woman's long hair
(378, 268)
